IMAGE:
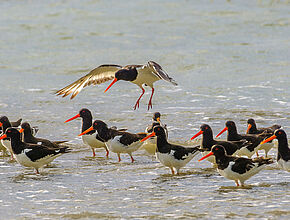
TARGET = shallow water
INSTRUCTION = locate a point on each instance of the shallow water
(230, 59)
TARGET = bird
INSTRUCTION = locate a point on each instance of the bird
(14, 123)
(91, 138)
(150, 144)
(117, 141)
(252, 129)
(254, 140)
(207, 142)
(283, 156)
(138, 74)
(236, 168)
(6, 143)
(31, 155)
(29, 138)
(171, 155)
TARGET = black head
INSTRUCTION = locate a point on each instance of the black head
(159, 131)
(26, 126)
(218, 150)
(206, 129)
(251, 121)
(4, 119)
(12, 133)
(126, 74)
(231, 125)
(84, 113)
(98, 124)
(280, 134)
(156, 115)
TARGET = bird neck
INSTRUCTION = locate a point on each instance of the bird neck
(105, 133)
(5, 125)
(207, 140)
(87, 123)
(233, 134)
(283, 148)
(17, 144)
(28, 137)
(161, 143)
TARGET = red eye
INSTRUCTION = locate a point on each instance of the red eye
(206, 127)
(279, 132)
(8, 131)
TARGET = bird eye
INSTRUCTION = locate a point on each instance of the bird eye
(206, 127)
(8, 131)
(279, 132)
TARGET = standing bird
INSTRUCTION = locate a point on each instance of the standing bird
(171, 155)
(91, 138)
(31, 155)
(253, 139)
(236, 168)
(252, 129)
(29, 138)
(207, 142)
(117, 141)
(138, 74)
(283, 157)
(6, 142)
(150, 144)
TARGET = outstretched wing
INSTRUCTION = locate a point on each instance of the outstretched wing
(98, 75)
(160, 72)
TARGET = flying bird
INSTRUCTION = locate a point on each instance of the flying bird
(140, 75)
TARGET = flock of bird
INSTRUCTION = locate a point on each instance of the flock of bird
(232, 157)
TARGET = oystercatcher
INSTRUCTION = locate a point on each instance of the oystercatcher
(252, 129)
(29, 138)
(171, 155)
(283, 156)
(138, 74)
(150, 144)
(254, 140)
(5, 124)
(207, 142)
(14, 123)
(236, 168)
(31, 155)
(117, 141)
(91, 138)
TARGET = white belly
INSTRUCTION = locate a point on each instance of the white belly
(284, 165)
(92, 141)
(115, 146)
(168, 160)
(266, 147)
(7, 145)
(229, 174)
(145, 76)
(245, 152)
(26, 162)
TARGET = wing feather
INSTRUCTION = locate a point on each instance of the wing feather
(160, 72)
(98, 75)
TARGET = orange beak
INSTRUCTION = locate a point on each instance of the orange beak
(249, 127)
(268, 139)
(158, 119)
(222, 131)
(3, 136)
(21, 130)
(149, 136)
(197, 134)
(86, 131)
(206, 156)
(113, 82)
(77, 116)
(1, 124)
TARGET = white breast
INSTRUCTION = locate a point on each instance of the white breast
(92, 141)
(115, 146)
(146, 76)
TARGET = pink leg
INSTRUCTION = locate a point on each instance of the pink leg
(94, 153)
(150, 100)
(36, 170)
(119, 157)
(132, 159)
(137, 103)
(107, 154)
